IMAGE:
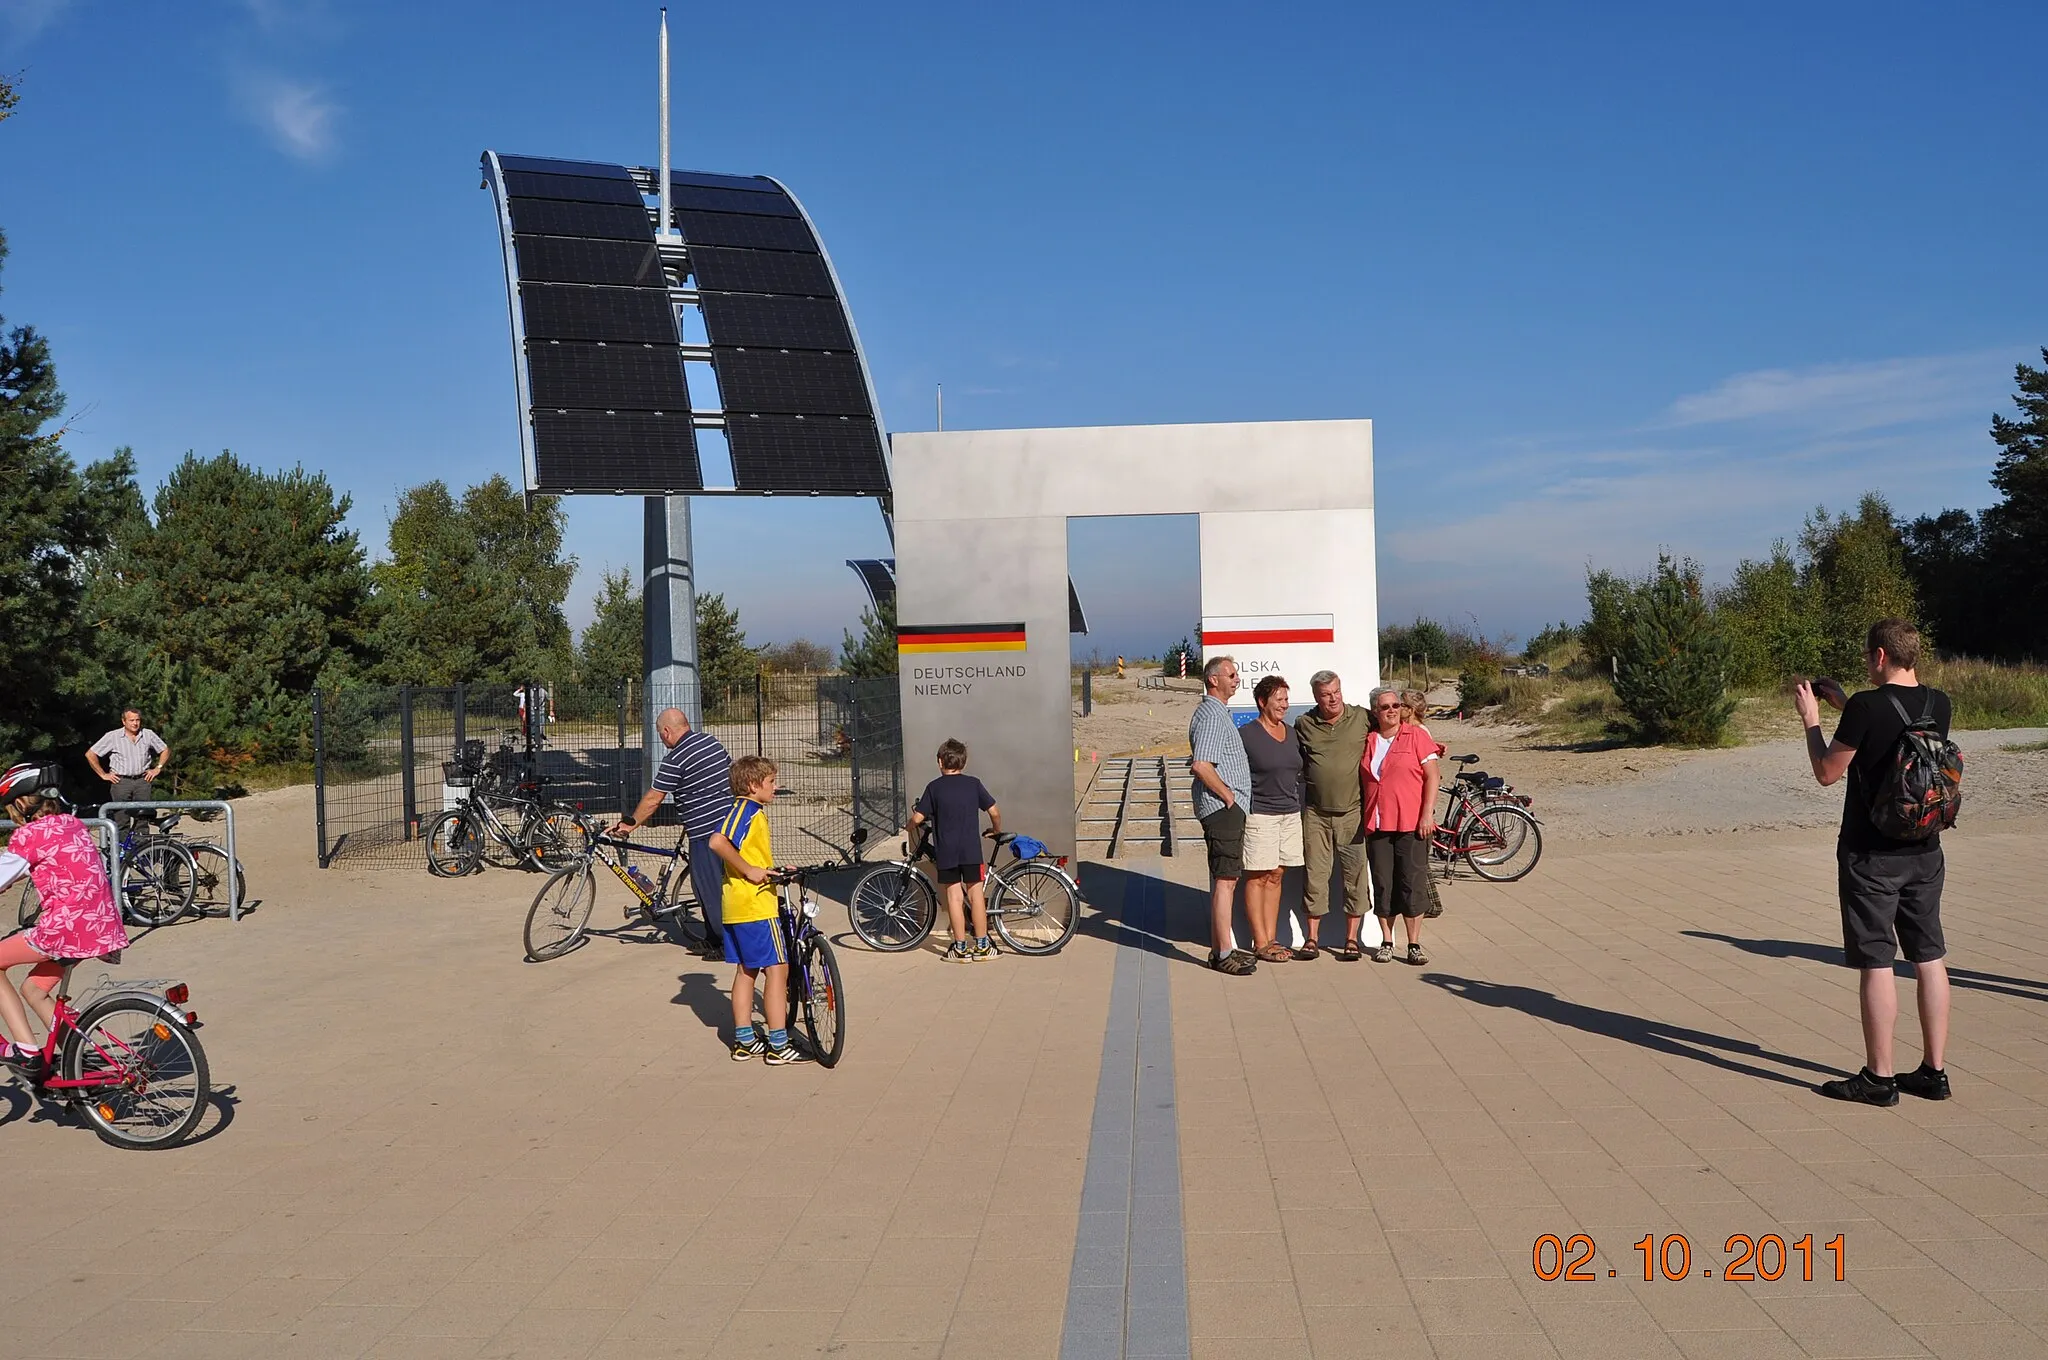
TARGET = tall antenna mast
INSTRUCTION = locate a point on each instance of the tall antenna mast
(666, 229)
(942, 406)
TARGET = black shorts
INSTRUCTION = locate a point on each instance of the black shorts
(1223, 829)
(1891, 905)
(965, 873)
(1399, 861)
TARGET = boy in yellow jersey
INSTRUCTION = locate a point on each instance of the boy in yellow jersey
(753, 937)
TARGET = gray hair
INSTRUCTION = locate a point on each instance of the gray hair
(1215, 664)
(1372, 700)
(1321, 678)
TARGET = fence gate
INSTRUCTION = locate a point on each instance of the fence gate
(379, 755)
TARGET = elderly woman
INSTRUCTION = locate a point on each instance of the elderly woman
(1399, 775)
(1272, 831)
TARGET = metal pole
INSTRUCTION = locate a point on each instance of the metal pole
(942, 406)
(412, 811)
(667, 229)
(853, 747)
(669, 636)
(319, 782)
(759, 748)
(1087, 692)
(461, 714)
(234, 873)
(625, 794)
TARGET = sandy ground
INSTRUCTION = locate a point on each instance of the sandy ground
(1597, 794)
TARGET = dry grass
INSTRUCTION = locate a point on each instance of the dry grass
(1986, 694)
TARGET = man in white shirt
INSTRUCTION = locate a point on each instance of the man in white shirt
(134, 756)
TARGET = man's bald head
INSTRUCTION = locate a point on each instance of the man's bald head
(670, 724)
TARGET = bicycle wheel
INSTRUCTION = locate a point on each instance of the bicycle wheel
(821, 1000)
(892, 908)
(1034, 908)
(455, 846)
(554, 835)
(210, 884)
(560, 913)
(31, 905)
(157, 1087)
(1502, 843)
(157, 883)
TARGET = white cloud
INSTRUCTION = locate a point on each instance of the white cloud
(27, 19)
(1846, 396)
(298, 115)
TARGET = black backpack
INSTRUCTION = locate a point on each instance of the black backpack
(1920, 792)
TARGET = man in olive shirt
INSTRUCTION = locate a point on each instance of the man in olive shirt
(1332, 737)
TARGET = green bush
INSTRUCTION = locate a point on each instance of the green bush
(1672, 677)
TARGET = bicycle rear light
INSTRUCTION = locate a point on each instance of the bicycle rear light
(177, 995)
(1061, 861)
(191, 1019)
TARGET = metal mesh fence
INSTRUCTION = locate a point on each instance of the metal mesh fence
(384, 756)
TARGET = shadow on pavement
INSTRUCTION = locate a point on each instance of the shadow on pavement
(223, 1100)
(1184, 933)
(2027, 989)
(1654, 1035)
(708, 1001)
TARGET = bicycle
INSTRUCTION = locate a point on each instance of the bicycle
(128, 1060)
(461, 839)
(1034, 905)
(816, 993)
(1488, 825)
(560, 915)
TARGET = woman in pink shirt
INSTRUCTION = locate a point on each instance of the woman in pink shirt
(1399, 773)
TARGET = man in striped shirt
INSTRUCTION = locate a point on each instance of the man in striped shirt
(697, 771)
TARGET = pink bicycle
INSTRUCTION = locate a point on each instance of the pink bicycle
(127, 1059)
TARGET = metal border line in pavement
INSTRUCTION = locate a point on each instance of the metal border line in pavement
(1127, 1296)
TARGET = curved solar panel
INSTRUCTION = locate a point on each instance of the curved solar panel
(599, 348)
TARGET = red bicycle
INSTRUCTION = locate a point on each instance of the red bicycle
(1488, 825)
(128, 1060)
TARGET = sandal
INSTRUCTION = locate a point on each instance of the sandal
(1307, 952)
(1236, 964)
(1352, 952)
(1275, 952)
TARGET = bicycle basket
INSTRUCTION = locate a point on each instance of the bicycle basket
(1027, 847)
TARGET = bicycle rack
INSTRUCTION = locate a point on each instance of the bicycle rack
(109, 837)
(187, 805)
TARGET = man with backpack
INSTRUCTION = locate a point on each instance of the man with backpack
(1905, 785)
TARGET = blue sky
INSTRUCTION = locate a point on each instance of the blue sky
(1606, 277)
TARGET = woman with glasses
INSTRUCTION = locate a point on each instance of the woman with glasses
(1399, 775)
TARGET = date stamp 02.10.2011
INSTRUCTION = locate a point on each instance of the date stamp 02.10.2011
(1765, 1257)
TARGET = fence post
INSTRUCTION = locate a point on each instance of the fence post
(461, 715)
(759, 748)
(853, 748)
(1087, 692)
(405, 758)
(625, 795)
(319, 781)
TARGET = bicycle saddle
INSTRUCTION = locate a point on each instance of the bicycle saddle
(1465, 760)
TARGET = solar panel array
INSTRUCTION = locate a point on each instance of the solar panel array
(603, 356)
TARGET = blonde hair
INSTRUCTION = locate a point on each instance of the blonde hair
(1415, 704)
(748, 771)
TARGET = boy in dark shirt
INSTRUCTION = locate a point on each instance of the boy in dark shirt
(1890, 890)
(953, 804)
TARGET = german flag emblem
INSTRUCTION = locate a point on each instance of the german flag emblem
(960, 637)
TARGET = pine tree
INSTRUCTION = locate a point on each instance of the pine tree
(473, 590)
(1671, 680)
(613, 649)
(725, 663)
(872, 655)
(2016, 529)
(54, 520)
(222, 610)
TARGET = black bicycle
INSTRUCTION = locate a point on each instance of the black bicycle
(507, 819)
(816, 993)
(560, 915)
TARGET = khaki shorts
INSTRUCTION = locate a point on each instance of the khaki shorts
(1272, 840)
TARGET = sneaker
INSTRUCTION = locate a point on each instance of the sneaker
(984, 952)
(959, 953)
(1865, 1088)
(1384, 953)
(1416, 956)
(781, 1057)
(1928, 1083)
(1236, 963)
(752, 1048)
(26, 1060)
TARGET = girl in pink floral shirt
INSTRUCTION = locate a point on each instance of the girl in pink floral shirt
(79, 919)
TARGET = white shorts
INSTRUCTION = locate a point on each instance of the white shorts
(1272, 840)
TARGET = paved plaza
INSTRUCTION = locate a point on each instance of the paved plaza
(426, 1147)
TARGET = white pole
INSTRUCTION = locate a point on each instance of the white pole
(942, 406)
(666, 228)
